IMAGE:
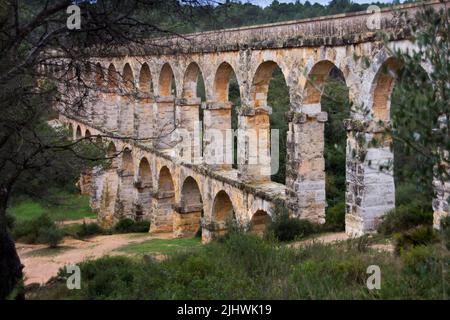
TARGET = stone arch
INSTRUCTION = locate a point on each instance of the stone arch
(165, 181)
(163, 203)
(222, 79)
(222, 209)
(166, 80)
(99, 76)
(259, 222)
(144, 185)
(113, 78)
(187, 219)
(87, 133)
(382, 87)
(190, 81)
(260, 82)
(78, 133)
(128, 78)
(317, 77)
(127, 162)
(145, 79)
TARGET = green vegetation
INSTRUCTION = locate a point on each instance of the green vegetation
(39, 230)
(130, 226)
(58, 206)
(243, 266)
(160, 246)
(286, 228)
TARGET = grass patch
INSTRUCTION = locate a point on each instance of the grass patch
(61, 206)
(162, 246)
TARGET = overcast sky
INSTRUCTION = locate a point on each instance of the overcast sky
(264, 3)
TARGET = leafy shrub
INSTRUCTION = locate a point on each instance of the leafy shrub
(50, 235)
(404, 217)
(28, 231)
(421, 260)
(89, 229)
(418, 236)
(335, 217)
(286, 228)
(445, 230)
(127, 225)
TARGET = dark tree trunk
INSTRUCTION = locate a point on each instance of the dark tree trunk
(10, 265)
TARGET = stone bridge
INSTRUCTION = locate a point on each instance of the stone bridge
(180, 175)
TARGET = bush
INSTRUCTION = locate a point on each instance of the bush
(10, 221)
(50, 235)
(89, 229)
(335, 217)
(445, 231)
(286, 228)
(404, 217)
(127, 225)
(28, 231)
(418, 236)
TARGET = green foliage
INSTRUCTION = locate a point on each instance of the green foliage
(50, 235)
(286, 228)
(39, 230)
(246, 267)
(335, 217)
(162, 246)
(59, 205)
(85, 230)
(445, 231)
(404, 217)
(418, 236)
(127, 225)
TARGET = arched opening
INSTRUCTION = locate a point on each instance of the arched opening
(126, 115)
(190, 210)
(226, 91)
(113, 78)
(144, 185)
(78, 134)
(127, 163)
(145, 79)
(259, 222)
(163, 204)
(191, 114)
(99, 76)
(392, 89)
(222, 212)
(145, 106)
(270, 96)
(87, 133)
(327, 91)
(166, 109)
(128, 78)
(71, 132)
(167, 81)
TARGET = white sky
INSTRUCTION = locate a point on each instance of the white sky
(264, 3)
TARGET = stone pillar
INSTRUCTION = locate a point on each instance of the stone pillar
(305, 174)
(126, 117)
(163, 212)
(111, 111)
(254, 144)
(96, 188)
(186, 220)
(125, 196)
(218, 137)
(142, 206)
(164, 122)
(212, 230)
(188, 137)
(109, 184)
(97, 101)
(441, 208)
(370, 189)
(143, 117)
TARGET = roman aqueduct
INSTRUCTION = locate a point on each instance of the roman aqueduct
(183, 184)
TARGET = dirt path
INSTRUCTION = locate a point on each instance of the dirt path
(321, 238)
(42, 263)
